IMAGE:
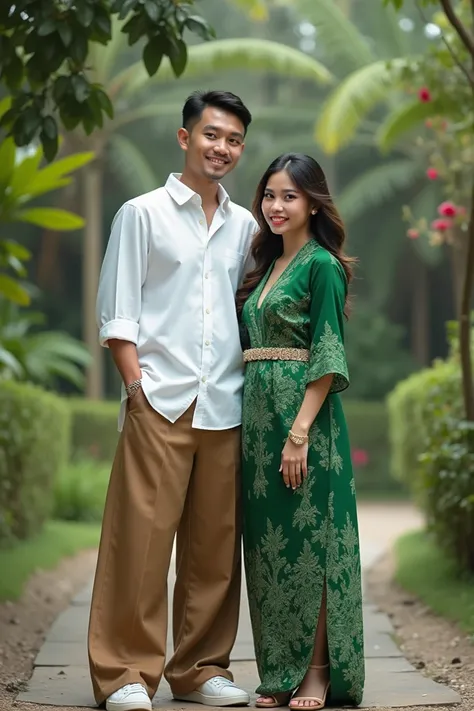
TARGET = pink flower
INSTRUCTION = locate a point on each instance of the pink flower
(360, 457)
(461, 210)
(432, 173)
(424, 95)
(413, 233)
(441, 225)
(429, 123)
(447, 209)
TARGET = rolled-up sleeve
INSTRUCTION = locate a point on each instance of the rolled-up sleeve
(122, 276)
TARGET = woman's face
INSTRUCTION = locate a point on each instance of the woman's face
(284, 206)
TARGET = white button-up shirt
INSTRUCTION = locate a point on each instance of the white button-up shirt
(168, 285)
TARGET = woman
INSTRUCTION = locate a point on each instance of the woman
(300, 522)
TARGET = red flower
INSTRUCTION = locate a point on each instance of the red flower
(432, 173)
(441, 225)
(424, 95)
(447, 209)
(360, 458)
(413, 233)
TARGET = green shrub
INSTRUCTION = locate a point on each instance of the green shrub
(368, 432)
(34, 446)
(408, 423)
(80, 490)
(433, 452)
(94, 429)
(447, 469)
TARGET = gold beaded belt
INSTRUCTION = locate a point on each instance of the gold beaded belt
(300, 354)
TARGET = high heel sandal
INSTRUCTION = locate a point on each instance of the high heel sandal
(284, 699)
(318, 702)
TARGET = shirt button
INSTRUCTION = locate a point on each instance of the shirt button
(208, 311)
(204, 379)
(206, 275)
(208, 343)
(201, 222)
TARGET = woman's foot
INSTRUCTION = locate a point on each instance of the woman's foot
(273, 701)
(312, 691)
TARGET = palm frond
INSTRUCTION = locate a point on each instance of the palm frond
(337, 34)
(353, 99)
(376, 186)
(404, 119)
(256, 55)
(131, 166)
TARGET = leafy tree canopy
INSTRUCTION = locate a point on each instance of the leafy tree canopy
(44, 46)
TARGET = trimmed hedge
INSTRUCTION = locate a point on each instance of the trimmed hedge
(408, 425)
(433, 451)
(94, 435)
(34, 447)
(94, 429)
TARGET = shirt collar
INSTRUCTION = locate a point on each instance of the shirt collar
(181, 193)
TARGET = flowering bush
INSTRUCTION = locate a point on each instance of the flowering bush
(446, 140)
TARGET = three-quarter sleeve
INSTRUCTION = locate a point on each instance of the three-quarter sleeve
(122, 276)
(328, 294)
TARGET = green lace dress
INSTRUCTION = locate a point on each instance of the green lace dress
(294, 541)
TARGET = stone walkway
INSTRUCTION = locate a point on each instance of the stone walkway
(61, 676)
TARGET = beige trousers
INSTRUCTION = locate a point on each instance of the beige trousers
(167, 479)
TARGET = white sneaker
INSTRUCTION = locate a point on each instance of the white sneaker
(217, 691)
(132, 697)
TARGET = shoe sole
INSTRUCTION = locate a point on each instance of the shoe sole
(128, 706)
(198, 698)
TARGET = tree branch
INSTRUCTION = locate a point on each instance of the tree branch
(455, 58)
(464, 36)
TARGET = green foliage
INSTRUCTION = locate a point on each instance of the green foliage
(447, 470)
(408, 427)
(80, 491)
(376, 357)
(44, 50)
(56, 541)
(368, 431)
(34, 447)
(40, 357)
(94, 429)
(21, 181)
(433, 452)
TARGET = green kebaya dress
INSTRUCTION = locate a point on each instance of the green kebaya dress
(294, 541)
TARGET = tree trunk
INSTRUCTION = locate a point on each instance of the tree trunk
(465, 319)
(92, 177)
(420, 315)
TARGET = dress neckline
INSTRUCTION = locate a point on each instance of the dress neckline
(269, 273)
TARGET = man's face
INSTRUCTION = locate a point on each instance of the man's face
(214, 144)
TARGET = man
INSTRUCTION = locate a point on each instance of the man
(166, 311)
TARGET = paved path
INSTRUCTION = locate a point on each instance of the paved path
(61, 676)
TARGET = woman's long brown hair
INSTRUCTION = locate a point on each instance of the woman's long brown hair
(326, 226)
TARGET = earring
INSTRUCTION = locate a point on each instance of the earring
(313, 212)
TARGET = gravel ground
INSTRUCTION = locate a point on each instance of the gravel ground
(23, 625)
(437, 647)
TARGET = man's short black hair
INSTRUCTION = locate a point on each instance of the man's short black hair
(225, 100)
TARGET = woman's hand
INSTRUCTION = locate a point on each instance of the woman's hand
(294, 463)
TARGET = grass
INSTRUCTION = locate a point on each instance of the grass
(428, 573)
(58, 540)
